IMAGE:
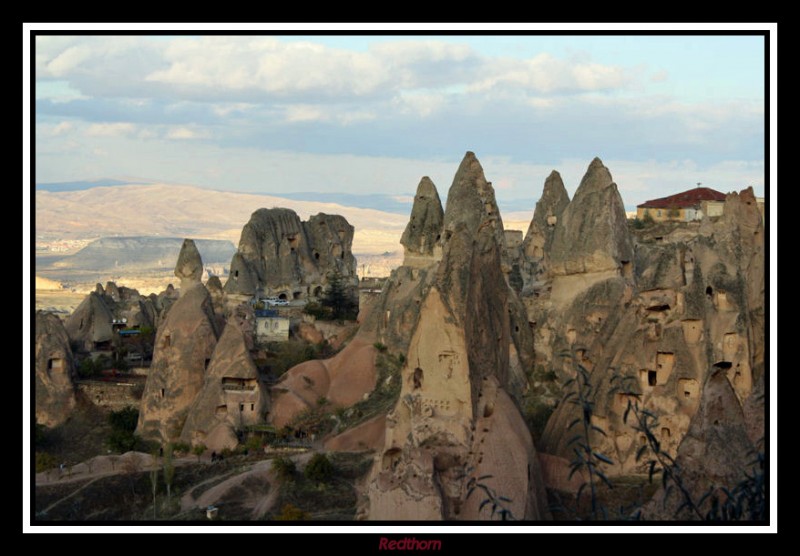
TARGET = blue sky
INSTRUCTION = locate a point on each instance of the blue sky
(372, 114)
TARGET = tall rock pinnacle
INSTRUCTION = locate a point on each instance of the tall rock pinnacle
(424, 229)
(189, 267)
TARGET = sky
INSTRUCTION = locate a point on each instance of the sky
(373, 114)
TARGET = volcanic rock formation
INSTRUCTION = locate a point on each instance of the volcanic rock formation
(55, 392)
(90, 324)
(455, 420)
(189, 267)
(279, 255)
(183, 347)
(423, 232)
(232, 396)
(713, 454)
(538, 241)
(647, 324)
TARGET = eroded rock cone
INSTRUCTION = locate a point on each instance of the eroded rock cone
(594, 234)
(183, 347)
(189, 267)
(714, 454)
(232, 396)
(54, 365)
(90, 324)
(423, 231)
(455, 420)
(539, 238)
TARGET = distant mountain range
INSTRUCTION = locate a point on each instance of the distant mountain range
(115, 253)
(395, 204)
(82, 185)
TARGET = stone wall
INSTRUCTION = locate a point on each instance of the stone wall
(112, 395)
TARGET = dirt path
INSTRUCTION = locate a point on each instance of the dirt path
(259, 472)
(104, 466)
(70, 495)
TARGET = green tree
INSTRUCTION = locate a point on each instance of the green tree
(337, 299)
(154, 480)
(198, 450)
(319, 469)
(284, 468)
(169, 470)
(125, 419)
(293, 513)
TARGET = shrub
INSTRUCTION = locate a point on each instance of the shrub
(44, 461)
(181, 447)
(284, 468)
(124, 419)
(122, 441)
(380, 347)
(123, 425)
(41, 434)
(292, 513)
(88, 368)
(198, 450)
(317, 311)
(319, 469)
(253, 443)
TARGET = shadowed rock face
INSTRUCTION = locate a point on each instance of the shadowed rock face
(538, 241)
(691, 300)
(423, 232)
(455, 419)
(183, 347)
(593, 235)
(712, 454)
(55, 393)
(90, 323)
(232, 396)
(281, 255)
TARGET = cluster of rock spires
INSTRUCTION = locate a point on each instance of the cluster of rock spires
(451, 310)
(280, 255)
(671, 319)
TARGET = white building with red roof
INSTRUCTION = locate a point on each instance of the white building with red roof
(686, 206)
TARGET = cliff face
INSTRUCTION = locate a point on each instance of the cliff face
(183, 348)
(593, 232)
(455, 420)
(279, 255)
(538, 242)
(650, 316)
(232, 396)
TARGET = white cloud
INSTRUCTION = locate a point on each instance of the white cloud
(61, 128)
(659, 76)
(546, 74)
(305, 113)
(114, 129)
(420, 104)
(182, 133)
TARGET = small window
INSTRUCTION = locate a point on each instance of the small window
(162, 392)
(652, 378)
(658, 213)
(167, 340)
(235, 273)
(252, 407)
(241, 407)
(206, 363)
